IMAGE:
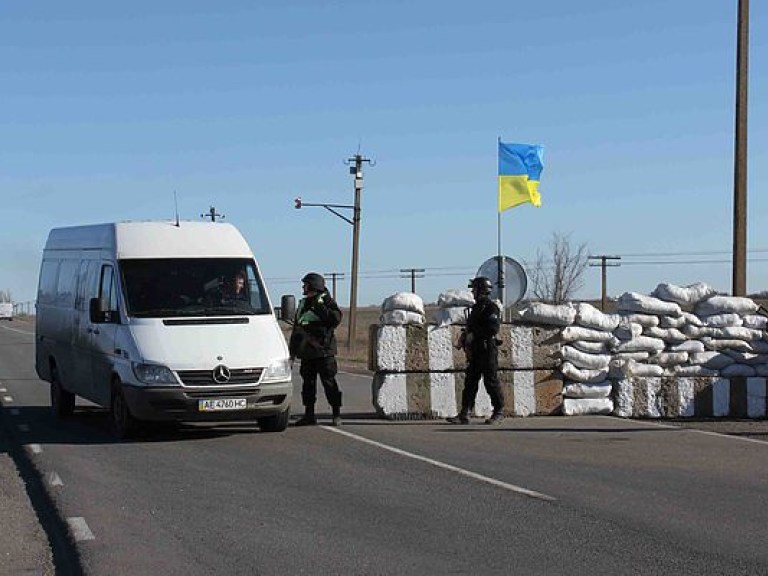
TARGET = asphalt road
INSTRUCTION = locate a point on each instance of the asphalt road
(554, 495)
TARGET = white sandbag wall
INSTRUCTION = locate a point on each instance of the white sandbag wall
(681, 352)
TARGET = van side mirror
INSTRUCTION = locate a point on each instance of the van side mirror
(99, 312)
(287, 308)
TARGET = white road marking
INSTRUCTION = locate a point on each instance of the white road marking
(706, 432)
(54, 479)
(15, 412)
(8, 399)
(444, 466)
(24, 427)
(79, 529)
(3, 390)
(19, 331)
(35, 448)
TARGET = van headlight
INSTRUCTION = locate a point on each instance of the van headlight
(153, 374)
(278, 370)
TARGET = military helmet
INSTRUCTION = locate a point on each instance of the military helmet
(482, 284)
(314, 281)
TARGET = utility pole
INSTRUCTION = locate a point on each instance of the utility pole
(333, 276)
(212, 214)
(604, 262)
(357, 171)
(412, 272)
(740, 155)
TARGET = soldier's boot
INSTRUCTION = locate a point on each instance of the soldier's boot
(460, 418)
(309, 417)
(496, 418)
(336, 421)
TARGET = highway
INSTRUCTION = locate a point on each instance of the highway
(539, 495)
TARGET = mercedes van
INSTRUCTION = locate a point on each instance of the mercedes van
(143, 318)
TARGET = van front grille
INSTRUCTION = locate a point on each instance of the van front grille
(205, 377)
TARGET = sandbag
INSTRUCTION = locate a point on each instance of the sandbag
(452, 315)
(710, 359)
(636, 356)
(755, 321)
(581, 406)
(403, 301)
(571, 372)
(738, 333)
(590, 317)
(722, 320)
(688, 346)
(591, 347)
(645, 320)
(693, 370)
(456, 297)
(686, 295)
(724, 304)
(584, 390)
(401, 318)
(638, 369)
(584, 360)
(553, 314)
(669, 335)
(641, 344)
(574, 333)
(717, 344)
(667, 359)
(635, 302)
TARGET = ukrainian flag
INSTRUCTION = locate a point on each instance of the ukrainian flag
(520, 167)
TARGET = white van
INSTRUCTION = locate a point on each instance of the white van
(141, 317)
(6, 310)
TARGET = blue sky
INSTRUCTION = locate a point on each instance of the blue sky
(107, 109)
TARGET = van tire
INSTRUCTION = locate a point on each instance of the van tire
(276, 423)
(62, 402)
(122, 422)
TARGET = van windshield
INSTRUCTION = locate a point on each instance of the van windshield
(188, 287)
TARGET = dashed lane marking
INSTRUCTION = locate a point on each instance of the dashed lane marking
(8, 399)
(79, 528)
(444, 466)
(17, 331)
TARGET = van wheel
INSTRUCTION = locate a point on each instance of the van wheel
(276, 423)
(62, 402)
(123, 424)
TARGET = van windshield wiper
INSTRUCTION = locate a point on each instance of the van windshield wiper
(157, 313)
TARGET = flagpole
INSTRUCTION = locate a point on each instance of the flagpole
(500, 261)
(500, 274)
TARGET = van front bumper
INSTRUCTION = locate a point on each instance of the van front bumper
(177, 403)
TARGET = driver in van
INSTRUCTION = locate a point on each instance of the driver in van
(235, 290)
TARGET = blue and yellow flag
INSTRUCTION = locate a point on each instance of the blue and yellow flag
(520, 167)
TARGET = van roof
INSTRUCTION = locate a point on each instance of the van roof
(154, 239)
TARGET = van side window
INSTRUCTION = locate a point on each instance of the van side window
(86, 280)
(65, 286)
(107, 288)
(48, 276)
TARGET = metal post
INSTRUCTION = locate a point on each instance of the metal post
(740, 155)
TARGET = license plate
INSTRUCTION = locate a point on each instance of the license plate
(215, 404)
